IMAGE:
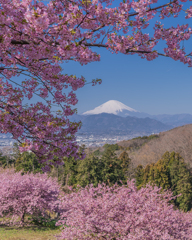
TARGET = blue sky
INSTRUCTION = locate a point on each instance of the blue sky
(161, 86)
(155, 87)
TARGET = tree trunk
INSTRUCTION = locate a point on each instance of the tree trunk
(22, 219)
(66, 183)
(57, 215)
(7, 161)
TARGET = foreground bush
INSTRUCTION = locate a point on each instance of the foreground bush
(122, 213)
(27, 195)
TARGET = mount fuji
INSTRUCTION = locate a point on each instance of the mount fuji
(116, 108)
(115, 118)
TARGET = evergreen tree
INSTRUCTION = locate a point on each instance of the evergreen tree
(146, 174)
(3, 160)
(172, 173)
(124, 160)
(89, 170)
(108, 169)
(70, 172)
(161, 174)
(112, 147)
(113, 170)
(27, 162)
(184, 186)
(139, 173)
(181, 181)
(151, 173)
(6, 160)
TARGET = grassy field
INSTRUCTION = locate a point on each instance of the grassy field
(27, 233)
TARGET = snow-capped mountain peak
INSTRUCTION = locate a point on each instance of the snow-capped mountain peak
(112, 107)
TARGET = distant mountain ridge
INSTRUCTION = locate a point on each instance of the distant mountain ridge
(175, 120)
(110, 124)
(120, 109)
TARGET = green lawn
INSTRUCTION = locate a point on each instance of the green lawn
(27, 233)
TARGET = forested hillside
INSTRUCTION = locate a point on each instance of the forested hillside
(146, 150)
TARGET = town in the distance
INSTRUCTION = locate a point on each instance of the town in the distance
(112, 122)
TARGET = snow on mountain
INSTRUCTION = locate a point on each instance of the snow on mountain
(112, 107)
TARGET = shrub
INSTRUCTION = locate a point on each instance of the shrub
(44, 222)
(122, 212)
(28, 194)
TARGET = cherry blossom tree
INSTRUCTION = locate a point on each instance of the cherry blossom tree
(122, 213)
(27, 195)
(37, 37)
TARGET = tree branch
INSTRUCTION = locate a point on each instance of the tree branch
(22, 42)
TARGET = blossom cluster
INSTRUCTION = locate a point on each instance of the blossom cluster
(27, 195)
(122, 213)
(103, 212)
(37, 37)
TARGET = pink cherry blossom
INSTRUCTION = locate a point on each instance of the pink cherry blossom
(28, 194)
(122, 213)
